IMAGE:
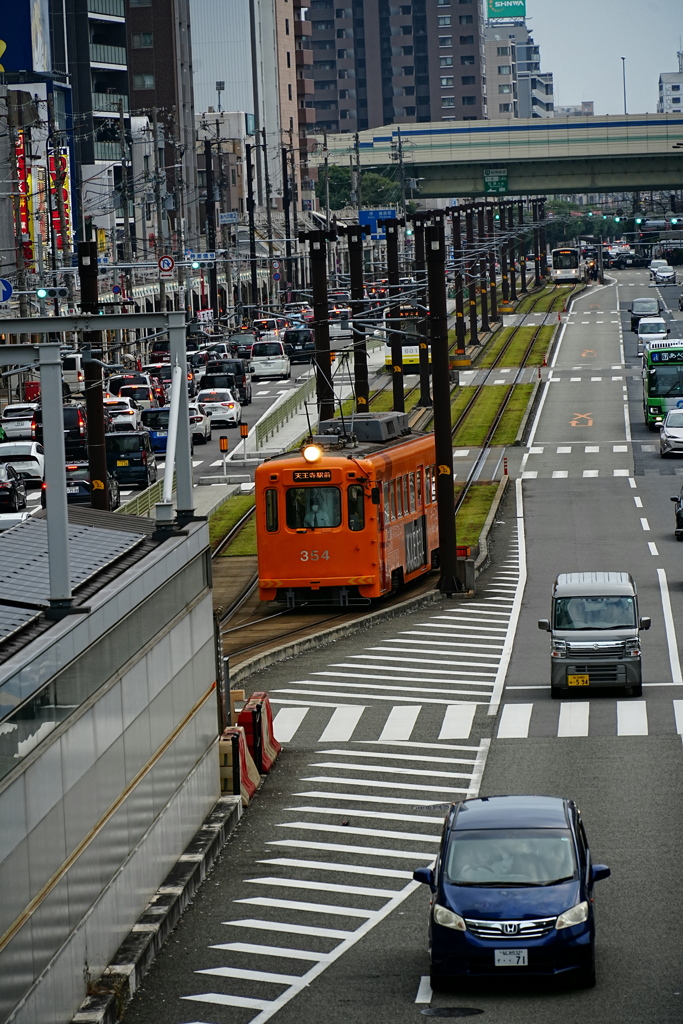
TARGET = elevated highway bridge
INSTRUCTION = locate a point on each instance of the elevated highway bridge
(565, 154)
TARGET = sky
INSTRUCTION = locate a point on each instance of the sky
(582, 43)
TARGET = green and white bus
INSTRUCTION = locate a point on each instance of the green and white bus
(662, 380)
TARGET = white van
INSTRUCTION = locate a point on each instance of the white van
(72, 372)
(651, 329)
(269, 359)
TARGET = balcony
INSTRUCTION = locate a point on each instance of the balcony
(107, 151)
(103, 54)
(305, 86)
(114, 8)
(108, 102)
(304, 58)
(302, 28)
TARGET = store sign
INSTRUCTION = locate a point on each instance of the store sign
(506, 8)
(25, 200)
(495, 181)
(59, 180)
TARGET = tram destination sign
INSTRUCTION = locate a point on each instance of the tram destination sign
(303, 476)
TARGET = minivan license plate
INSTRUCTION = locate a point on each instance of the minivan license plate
(511, 957)
(122, 462)
(577, 680)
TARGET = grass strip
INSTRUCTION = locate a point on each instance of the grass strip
(224, 518)
(507, 429)
(541, 346)
(244, 543)
(494, 347)
(470, 519)
(473, 431)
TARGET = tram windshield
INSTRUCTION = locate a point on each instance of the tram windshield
(565, 259)
(665, 380)
(313, 507)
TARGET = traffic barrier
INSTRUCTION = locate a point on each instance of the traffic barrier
(256, 718)
(237, 769)
(143, 503)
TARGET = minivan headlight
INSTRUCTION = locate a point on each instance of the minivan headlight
(447, 918)
(577, 915)
(558, 649)
(632, 646)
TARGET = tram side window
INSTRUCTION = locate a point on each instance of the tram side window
(356, 507)
(271, 510)
(386, 503)
(418, 477)
(399, 498)
(406, 506)
(392, 499)
(428, 483)
(433, 484)
(313, 507)
(412, 492)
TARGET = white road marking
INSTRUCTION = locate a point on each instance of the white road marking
(242, 1001)
(619, 448)
(631, 718)
(425, 773)
(672, 643)
(449, 643)
(245, 975)
(573, 719)
(349, 869)
(574, 380)
(560, 474)
(617, 378)
(620, 472)
(301, 883)
(591, 472)
(461, 453)
(374, 815)
(596, 378)
(308, 908)
(349, 830)
(514, 721)
(678, 712)
(374, 784)
(253, 947)
(529, 474)
(364, 851)
(565, 450)
(632, 483)
(218, 462)
(293, 929)
(286, 723)
(638, 501)
(405, 757)
(453, 694)
(424, 990)
(517, 601)
(653, 549)
(590, 448)
(341, 725)
(536, 451)
(457, 722)
(644, 523)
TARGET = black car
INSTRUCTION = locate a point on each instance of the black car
(79, 489)
(12, 489)
(130, 457)
(218, 380)
(299, 344)
(678, 512)
(680, 301)
(647, 306)
(75, 430)
(238, 369)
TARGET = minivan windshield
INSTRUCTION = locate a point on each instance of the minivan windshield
(266, 348)
(589, 613)
(658, 328)
(510, 857)
(646, 306)
(123, 444)
(155, 419)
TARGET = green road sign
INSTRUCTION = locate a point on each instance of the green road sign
(495, 181)
(506, 8)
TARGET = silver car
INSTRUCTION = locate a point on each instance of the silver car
(671, 434)
(664, 275)
(17, 419)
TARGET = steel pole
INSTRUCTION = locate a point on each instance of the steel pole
(490, 237)
(471, 276)
(92, 375)
(55, 478)
(522, 247)
(513, 272)
(252, 227)
(354, 233)
(537, 245)
(483, 267)
(395, 336)
(211, 226)
(183, 455)
(458, 256)
(323, 362)
(423, 323)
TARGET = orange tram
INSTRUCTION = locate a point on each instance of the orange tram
(349, 518)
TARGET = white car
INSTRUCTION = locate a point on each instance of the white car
(222, 405)
(664, 275)
(200, 424)
(671, 434)
(125, 413)
(651, 331)
(28, 459)
(16, 420)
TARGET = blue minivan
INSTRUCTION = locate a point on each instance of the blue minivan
(512, 892)
(155, 422)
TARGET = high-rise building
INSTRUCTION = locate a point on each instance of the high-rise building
(376, 63)
(516, 86)
(586, 108)
(671, 90)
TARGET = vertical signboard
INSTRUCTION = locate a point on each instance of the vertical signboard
(59, 179)
(25, 33)
(25, 199)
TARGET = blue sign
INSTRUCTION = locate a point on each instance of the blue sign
(25, 32)
(228, 218)
(116, 290)
(5, 290)
(369, 218)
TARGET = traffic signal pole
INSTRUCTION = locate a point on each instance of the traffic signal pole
(252, 227)
(211, 227)
(92, 377)
(438, 332)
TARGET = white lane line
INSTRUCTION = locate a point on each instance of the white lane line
(591, 473)
(221, 1000)
(361, 851)
(619, 448)
(564, 450)
(620, 472)
(356, 830)
(590, 448)
(529, 474)
(300, 883)
(632, 483)
(405, 787)
(404, 757)
(627, 420)
(514, 721)
(457, 722)
(631, 718)
(255, 948)
(671, 640)
(293, 929)
(573, 719)
(517, 601)
(653, 549)
(678, 713)
(638, 500)
(341, 725)
(560, 474)
(218, 462)
(574, 380)
(424, 990)
(286, 723)
(349, 869)
(644, 523)
(306, 908)
(245, 975)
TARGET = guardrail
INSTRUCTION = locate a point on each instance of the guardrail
(267, 426)
(142, 503)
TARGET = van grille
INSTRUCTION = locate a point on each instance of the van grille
(606, 648)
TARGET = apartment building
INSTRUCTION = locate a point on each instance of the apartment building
(670, 100)
(516, 86)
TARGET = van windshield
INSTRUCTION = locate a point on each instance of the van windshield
(588, 613)
(155, 419)
(266, 348)
(511, 857)
(658, 328)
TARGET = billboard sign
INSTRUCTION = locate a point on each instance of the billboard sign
(505, 9)
(25, 37)
(495, 180)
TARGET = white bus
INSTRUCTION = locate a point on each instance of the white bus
(567, 265)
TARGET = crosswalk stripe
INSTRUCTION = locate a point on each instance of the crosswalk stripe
(374, 815)
(306, 908)
(286, 723)
(514, 721)
(421, 757)
(351, 830)
(400, 723)
(291, 929)
(358, 851)
(573, 719)
(425, 773)
(631, 718)
(221, 1000)
(350, 869)
(457, 722)
(379, 784)
(253, 947)
(351, 890)
(246, 975)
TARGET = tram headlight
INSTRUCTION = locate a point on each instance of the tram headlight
(312, 453)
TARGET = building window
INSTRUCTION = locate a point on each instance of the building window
(289, 90)
(469, 101)
(409, 90)
(504, 69)
(675, 99)
(341, 55)
(446, 83)
(142, 40)
(675, 88)
(408, 70)
(445, 40)
(504, 88)
(143, 81)
(467, 59)
(140, 3)
(503, 51)
(407, 51)
(405, 9)
(289, 59)
(406, 30)
(504, 108)
(409, 111)
(444, 22)
(467, 79)
(443, 3)
(286, 26)
(445, 62)
(466, 19)
(343, 115)
(467, 40)
(447, 101)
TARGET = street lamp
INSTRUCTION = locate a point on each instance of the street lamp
(623, 76)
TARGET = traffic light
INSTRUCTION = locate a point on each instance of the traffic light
(202, 264)
(52, 293)
(496, 216)
(674, 221)
(639, 220)
(409, 232)
(617, 219)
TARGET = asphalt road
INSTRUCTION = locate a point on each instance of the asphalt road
(310, 914)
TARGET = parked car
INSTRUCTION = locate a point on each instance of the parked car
(513, 892)
(12, 489)
(27, 458)
(78, 487)
(222, 404)
(200, 424)
(17, 419)
(125, 413)
(75, 430)
(130, 457)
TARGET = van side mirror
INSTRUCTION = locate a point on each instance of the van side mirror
(426, 876)
(645, 622)
(600, 871)
(374, 495)
(544, 624)
(674, 497)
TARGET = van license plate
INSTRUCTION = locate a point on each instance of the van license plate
(511, 957)
(162, 433)
(72, 490)
(575, 680)
(122, 462)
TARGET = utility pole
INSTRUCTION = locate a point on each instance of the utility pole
(537, 244)
(286, 204)
(459, 258)
(18, 235)
(483, 267)
(505, 281)
(471, 275)
(354, 234)
(401, 172)
(323, 361)
(513, 272)
(298, 272)
(395, 335)
(327, 184)
(211, 226)
(542, 239)
(157, 202)
(225, 229)
(269, 214)
(92, 375)
(522, 247)
(252, 228)
(438, 331)
(419, 221)
(179, 212)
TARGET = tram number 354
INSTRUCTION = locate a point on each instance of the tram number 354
(314, 556)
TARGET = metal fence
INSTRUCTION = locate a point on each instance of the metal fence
(271, 423)
(143, 503)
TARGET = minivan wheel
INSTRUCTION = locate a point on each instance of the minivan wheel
(556, 693)
(635, 691)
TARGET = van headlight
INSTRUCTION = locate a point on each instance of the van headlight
(577, 915)
(558, 649)
(632, 647)
(448, 919)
